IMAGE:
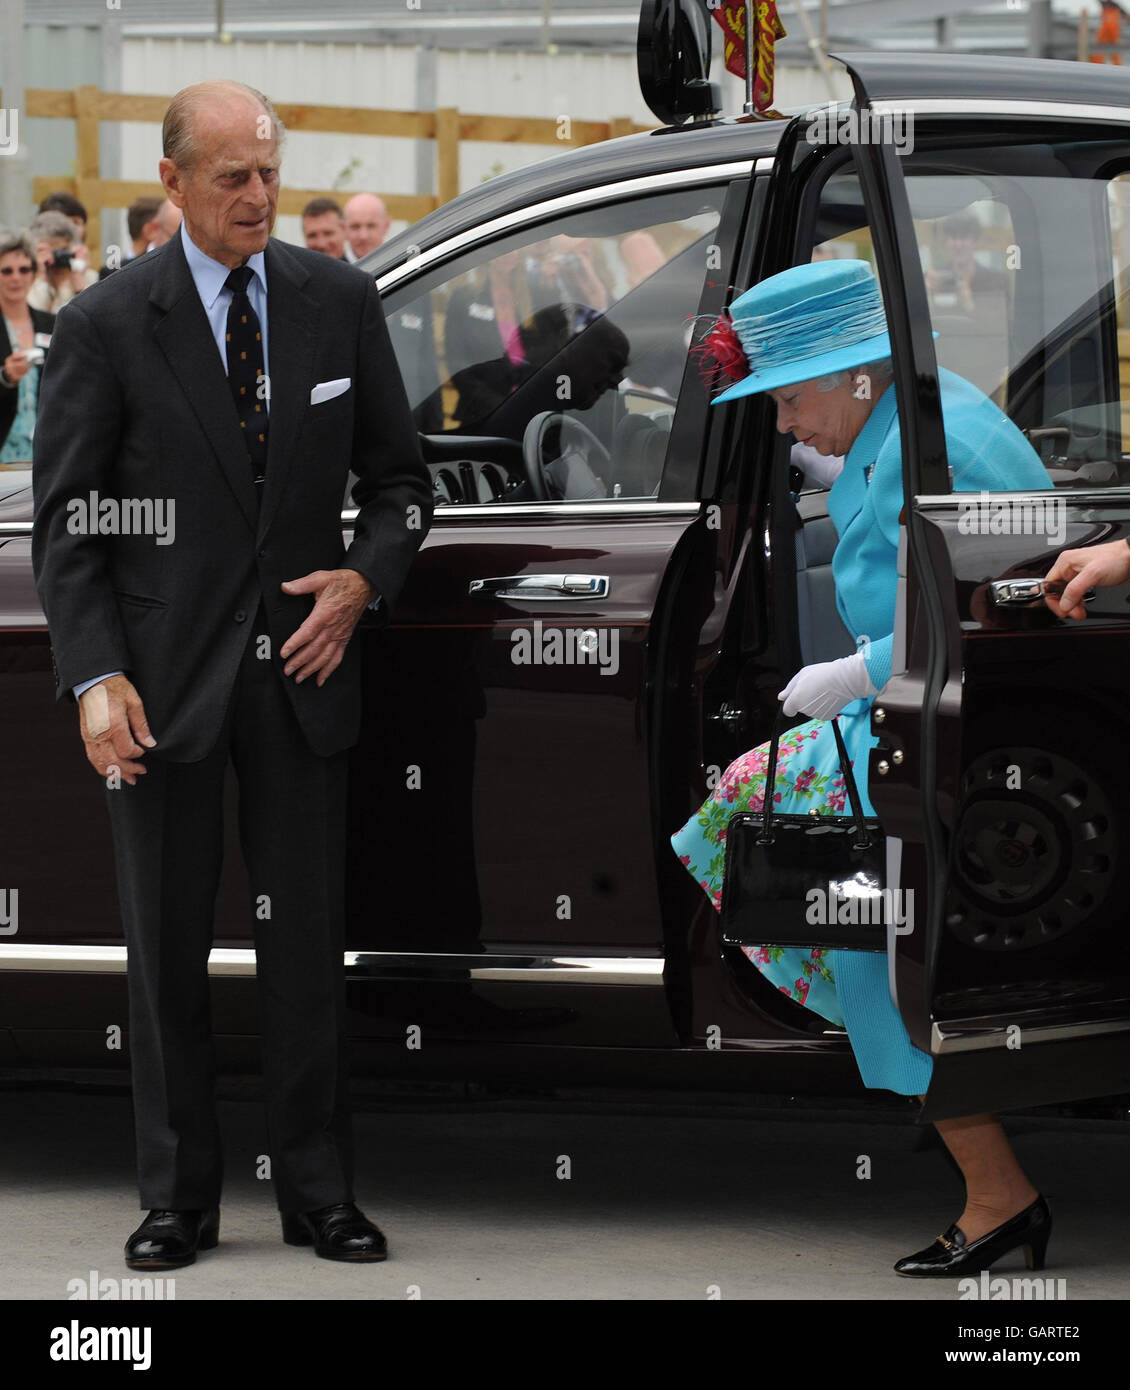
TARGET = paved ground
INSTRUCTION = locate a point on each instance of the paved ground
(663, 1203)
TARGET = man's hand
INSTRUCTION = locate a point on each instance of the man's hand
(319, 644)
(113, 727)
(1089, 568)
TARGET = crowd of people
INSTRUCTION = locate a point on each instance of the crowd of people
(43, 267)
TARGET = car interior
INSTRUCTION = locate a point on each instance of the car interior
(546, 367)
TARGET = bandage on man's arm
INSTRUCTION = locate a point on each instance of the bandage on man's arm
(96, 710)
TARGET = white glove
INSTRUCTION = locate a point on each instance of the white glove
(816, 467)
(823, 690)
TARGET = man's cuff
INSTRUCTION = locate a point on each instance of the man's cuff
(85, 686)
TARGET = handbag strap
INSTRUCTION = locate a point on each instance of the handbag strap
(864, 841)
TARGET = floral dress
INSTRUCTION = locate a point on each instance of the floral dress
(848, 988)
(804, 975)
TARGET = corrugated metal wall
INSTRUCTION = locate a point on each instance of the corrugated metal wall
(56, 56)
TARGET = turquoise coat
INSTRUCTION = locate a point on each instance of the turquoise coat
(986, 451)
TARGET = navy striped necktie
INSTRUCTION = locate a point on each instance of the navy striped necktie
(244, 342)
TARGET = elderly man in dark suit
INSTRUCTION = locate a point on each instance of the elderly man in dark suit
(210, 400)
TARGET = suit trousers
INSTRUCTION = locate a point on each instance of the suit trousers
(168, 845)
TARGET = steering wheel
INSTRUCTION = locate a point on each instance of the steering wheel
(571, 434)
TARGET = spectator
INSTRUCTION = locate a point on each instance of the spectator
(168, 224)
(69, 206)
(366, 224)
(574, 271)
(141, 220)
(323, 226)
(956, 288)
(642, 257)
(63, 270)
(28, 335)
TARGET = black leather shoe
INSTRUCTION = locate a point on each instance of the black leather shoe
(952, 1255)
(170, 1239)
(337, 1233)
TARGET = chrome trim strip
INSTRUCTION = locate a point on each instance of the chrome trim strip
(587, 970)
(107, 960)
(949, 106)
(585, 197)
(940, 501)
(764, 165)
(462, 511)
(228, 962)
(981, 1039)
(469, 511)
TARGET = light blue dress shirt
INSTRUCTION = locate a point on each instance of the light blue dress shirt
(209, 276)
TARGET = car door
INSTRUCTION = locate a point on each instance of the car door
(501, 819)
(1002, 769)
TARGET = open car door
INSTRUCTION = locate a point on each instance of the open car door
(1001, 775)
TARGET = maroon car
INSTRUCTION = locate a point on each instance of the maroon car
(620, 579)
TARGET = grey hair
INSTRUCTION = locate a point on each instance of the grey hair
(882, 368)
(49, 225)
(178, 136)
(17, 241)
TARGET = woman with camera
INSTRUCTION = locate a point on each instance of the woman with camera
(28, 337)
(63, 265)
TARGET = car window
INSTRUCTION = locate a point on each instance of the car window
(1026, 256)
(546, 366)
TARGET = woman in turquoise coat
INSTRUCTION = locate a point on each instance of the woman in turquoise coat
(814, 337)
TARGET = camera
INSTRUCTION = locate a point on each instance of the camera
(62, 259)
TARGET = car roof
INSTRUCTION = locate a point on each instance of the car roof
(919, 76)
(628, 157)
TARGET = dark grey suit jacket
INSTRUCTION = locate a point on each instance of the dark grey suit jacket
(135, 404)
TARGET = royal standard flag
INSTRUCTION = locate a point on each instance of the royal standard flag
(731, 15)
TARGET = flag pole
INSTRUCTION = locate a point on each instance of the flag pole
(748, 108)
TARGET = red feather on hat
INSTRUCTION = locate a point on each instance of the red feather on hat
(720, 350)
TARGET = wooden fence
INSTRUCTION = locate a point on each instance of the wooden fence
(88, 107)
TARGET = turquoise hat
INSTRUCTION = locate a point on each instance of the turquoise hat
(806, 322)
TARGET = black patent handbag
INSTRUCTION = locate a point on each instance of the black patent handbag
(805, 880)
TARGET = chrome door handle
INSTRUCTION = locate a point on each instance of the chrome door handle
(541, 588)
(1016, 592)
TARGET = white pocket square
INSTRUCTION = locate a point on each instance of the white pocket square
(327, 390)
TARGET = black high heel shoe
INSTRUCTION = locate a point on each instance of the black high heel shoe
(951, 1254)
